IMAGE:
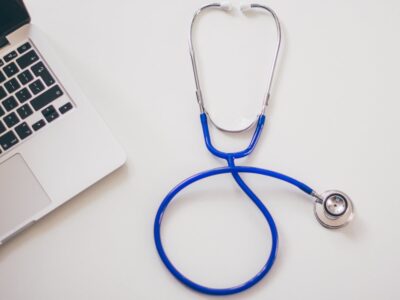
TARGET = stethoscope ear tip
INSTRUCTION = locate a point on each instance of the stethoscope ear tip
(333, 209)
(245, 7)
(226, 5)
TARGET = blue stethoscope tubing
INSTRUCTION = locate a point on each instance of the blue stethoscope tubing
(235, 171)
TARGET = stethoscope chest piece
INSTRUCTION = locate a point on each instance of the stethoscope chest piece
(333, 209)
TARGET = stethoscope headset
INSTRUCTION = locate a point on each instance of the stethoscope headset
(333, 209)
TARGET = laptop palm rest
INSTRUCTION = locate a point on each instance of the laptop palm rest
(21, 195)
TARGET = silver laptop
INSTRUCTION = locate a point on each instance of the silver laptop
(53, 145)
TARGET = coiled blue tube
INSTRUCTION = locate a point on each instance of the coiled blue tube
(235, 172)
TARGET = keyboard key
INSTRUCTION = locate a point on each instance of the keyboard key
(11, 120)
(10, 103)
(24, 111)
(36, 87)
(38, 125)
(41, 71)
(2, 77)
(11, 69)
(27, 59)
(10, 56)
(23, 95)
(2, 112)
(50, 113)
(25, 47)
(47, 97)
(2, 127)
(23, 131)
(8, 140)
(1, 63)
(25, 77)
(66, 107)
(3, 93)
(12, 85)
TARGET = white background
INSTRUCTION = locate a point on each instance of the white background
(333, 122)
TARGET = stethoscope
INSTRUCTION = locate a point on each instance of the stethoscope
(333, 209)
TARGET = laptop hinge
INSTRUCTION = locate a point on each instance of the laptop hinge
(3, 42)
(13, 15)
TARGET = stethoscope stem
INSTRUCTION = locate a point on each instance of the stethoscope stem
(324, 211)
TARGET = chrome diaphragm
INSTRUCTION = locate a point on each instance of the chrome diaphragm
(333, 209)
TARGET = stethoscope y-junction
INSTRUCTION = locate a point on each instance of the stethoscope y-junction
(333, 209)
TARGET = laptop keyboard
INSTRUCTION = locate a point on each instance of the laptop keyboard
(30, 96)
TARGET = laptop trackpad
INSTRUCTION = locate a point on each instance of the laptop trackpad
(21, 195)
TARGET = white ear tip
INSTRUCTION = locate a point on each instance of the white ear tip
(245, 7)
(226, 5)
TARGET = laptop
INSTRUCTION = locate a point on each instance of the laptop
(53, 145)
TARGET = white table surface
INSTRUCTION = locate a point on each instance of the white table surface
(333, 122)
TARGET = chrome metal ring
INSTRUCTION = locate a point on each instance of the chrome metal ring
(247, 127)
